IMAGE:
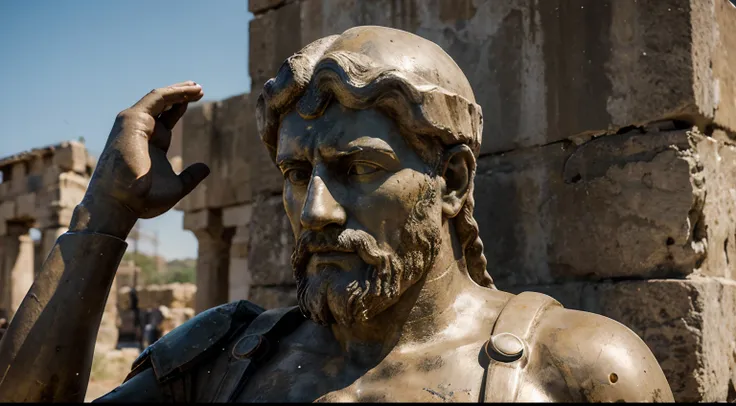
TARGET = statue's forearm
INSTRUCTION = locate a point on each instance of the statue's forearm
(46, 354)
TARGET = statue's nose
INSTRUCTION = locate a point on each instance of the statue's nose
(320, 208)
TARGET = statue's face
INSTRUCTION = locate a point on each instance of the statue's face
(364, 208)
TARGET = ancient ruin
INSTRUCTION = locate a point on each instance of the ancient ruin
(605, 178)
(39, 189)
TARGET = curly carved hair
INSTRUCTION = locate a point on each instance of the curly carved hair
(427, 115)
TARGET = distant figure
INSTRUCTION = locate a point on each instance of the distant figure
(137, 325)
(152, 329)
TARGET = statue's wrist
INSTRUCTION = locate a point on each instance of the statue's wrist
(102, 215)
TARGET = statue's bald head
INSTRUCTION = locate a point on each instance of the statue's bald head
(410, 79)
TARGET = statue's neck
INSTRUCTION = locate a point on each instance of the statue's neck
(423, 310)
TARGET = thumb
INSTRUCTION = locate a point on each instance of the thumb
(192, 176)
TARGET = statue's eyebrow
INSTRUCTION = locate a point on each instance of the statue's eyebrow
(332, 154)
(362, 145)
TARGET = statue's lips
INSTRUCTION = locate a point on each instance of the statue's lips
(339, 258)
(344, 261)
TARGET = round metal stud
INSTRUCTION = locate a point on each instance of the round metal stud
(247, 346)
(505, 347)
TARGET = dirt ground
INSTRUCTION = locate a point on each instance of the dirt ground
(108, 371)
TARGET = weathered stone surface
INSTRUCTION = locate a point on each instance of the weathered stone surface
(271, 244)
(688, 325)
(25, 206)
(274, 36)
(51, 176)
(37, 165)
(260, 6)
(16, 268)
(234, 216)
(250, 160)
(229, 182)
(240, 279)
(240, 167)
(719, 209)
(212, 267)
(271, 297)
(625, 205)
(71, 156)
(538, 74)
(202, 219)
(241, 242)
(7, 209)
(18, 174)
(197, 131)
(5, 187)
(195, 200)
(714, 46)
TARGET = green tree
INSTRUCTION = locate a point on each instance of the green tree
(178, 270)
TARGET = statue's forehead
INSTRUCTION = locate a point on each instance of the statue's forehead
(338, 128)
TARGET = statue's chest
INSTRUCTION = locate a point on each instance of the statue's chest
(448, 375)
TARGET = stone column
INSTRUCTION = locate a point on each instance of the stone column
(239, 218)
(48, 239)
(17, 267)
(212, 257)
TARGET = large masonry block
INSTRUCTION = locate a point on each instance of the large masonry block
(71, 156)
(197, 130)
(274, 36)
(224, 136)
(634, 205)
(271, 244)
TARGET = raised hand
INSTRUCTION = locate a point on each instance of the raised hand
(133, 178)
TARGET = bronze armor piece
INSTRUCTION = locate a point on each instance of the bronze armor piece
(376, 132)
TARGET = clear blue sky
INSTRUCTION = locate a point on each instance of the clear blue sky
(68, 67)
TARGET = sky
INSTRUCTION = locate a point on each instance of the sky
(68, 67)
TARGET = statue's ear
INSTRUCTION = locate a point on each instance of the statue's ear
(458, 171)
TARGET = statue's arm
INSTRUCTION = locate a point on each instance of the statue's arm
(602, 360)
(46, 353)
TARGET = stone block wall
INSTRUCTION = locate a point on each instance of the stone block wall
(39, 189)
(236, 213)
(605, 177)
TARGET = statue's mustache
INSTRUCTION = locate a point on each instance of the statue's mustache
(335, 240)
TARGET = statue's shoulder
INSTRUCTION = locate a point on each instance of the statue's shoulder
(197, 338)
(602, 359)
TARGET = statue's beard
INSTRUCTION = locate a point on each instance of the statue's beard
(335, 295)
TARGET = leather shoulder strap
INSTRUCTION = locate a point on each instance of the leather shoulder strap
(508, 349)
(253, 347)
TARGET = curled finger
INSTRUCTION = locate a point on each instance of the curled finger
(155, 102)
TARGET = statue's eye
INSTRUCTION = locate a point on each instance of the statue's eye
(362, 168)
(297, 176)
